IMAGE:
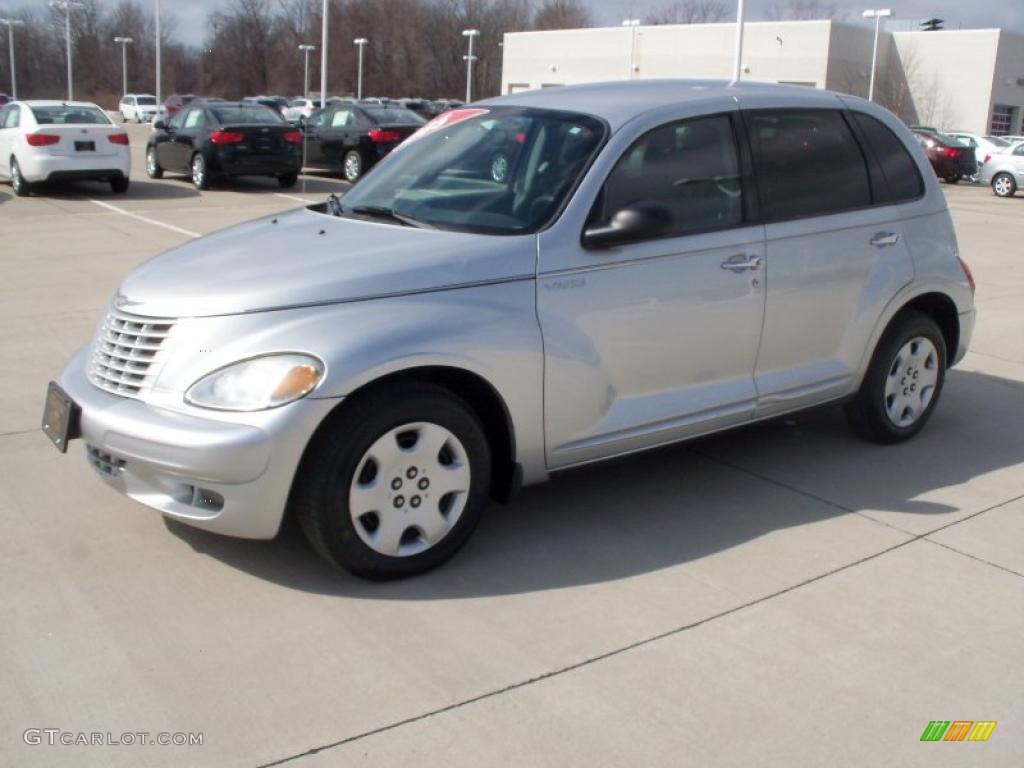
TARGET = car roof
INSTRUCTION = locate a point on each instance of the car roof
(55, 103)
(620, 101)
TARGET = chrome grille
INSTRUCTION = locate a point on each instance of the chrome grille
(126, 353)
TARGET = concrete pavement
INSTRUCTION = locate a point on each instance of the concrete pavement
(781, 596)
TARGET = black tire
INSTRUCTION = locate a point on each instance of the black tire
(153, 169)
(352, 166)
(1004, 185)
(320, 494)
(21, 187)
(867, 412)
(200, 172)
(288, 180)
(119, 185)
(953, 178)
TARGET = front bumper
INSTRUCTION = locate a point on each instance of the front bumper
(226, 473)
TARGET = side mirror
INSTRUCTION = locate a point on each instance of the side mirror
(638, 221)
(159, 125)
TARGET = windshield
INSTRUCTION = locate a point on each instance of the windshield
(393, 116)
(67, 114)
(249, 114)
(501, 171)
(146, 101)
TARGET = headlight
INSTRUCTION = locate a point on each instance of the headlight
(258, 383)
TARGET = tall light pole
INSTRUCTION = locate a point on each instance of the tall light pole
(737, 70)
(876, 14)
(11, 24)
(323, 59)
(632, 24)
(125, 42)
(67, 6)
(361, 42)
(158, 99)
(469, 58)
(306, 50)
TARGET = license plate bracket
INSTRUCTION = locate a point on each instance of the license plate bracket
(61, 417)
(85, 146)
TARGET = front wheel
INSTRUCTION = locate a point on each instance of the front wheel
(1004, 185)
(352, 166)
(200, 173)
(153, 169)
(396, 485)
(904, 380)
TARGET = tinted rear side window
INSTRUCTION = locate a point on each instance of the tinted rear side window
(898, 167)
(808, 163)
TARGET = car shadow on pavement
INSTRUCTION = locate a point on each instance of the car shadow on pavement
(137, 190)
(669, 506)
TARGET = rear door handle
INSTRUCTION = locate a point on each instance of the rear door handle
(742, 262)
(885, 239)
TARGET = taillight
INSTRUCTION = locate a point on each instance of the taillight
(987, 158)
(42, 139)
(953, 152)
(940, 150)
(118, 138)
(293, 137)
(380, 136)
(967, 273)
(227, 137)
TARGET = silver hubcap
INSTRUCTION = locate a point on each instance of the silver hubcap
(198, 171)
(15, 175)
(151, 161)
(409, 489)
(351, 167)
(1003, 186)
(911, 383)
(499, 168)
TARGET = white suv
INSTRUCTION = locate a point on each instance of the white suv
(140, 107)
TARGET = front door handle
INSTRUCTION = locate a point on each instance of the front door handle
(742, 262)
(885, 239)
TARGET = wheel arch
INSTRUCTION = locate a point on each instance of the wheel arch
(478, 393)
(942, 309)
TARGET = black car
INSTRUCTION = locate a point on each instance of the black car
(353, 137)
(950, 159)
(211, 139)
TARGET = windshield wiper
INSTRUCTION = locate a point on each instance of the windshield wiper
(383, 212)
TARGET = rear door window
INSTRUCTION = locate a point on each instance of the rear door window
(194, 118)
(12, 117)
(807, 163)
(690, 167)
(898, 167)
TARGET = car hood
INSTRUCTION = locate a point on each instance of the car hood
(305, 257)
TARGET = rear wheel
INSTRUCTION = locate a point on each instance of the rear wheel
(397, 485)
(200, 173)
(153, 169)
(352, 166)
(1004, 185)
(903, 383)
(119, 184)
(287, 180)
(21, 187)
(953, 178)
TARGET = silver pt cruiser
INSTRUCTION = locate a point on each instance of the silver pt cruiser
(528, 284)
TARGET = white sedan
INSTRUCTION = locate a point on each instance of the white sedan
(300, 109)
(43, 141)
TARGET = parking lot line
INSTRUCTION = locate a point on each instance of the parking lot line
(146, 219)
(294, 197)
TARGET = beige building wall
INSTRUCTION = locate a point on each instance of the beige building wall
(950, 79)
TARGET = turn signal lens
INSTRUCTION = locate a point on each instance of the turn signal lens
(42, 139)
(293, 137)
(227, 137)
(119, 138)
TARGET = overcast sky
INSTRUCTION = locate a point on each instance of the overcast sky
(1008, 14)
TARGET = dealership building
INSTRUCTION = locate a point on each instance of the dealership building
(963, 80)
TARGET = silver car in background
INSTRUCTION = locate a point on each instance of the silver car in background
(1004, 172)
(661, 260)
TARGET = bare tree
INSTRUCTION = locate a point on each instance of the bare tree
(691, 12)
(802, 10)
(561, 14)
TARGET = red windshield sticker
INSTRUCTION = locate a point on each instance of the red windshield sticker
(445, 120)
